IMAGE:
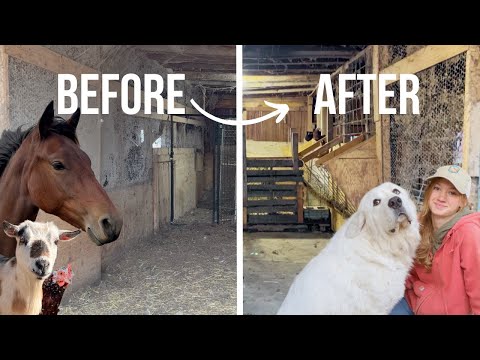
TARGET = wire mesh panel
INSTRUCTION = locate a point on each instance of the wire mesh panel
(419, 144)
(390, 54)
(226, 146)
(355, 120)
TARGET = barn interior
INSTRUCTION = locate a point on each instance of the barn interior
(307, 174)
(170, 176)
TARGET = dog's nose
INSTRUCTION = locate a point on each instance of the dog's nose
(395, 202)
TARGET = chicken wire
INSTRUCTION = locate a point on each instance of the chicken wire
(355, 121)
(390, 54)
(419, 144)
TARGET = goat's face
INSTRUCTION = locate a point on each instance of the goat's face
(37, 245)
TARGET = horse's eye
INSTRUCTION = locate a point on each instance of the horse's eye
(57, 165)
(376, 202)
(396, 191)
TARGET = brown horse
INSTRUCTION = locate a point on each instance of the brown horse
(44, 168)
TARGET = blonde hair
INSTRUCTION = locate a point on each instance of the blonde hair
(424, 255)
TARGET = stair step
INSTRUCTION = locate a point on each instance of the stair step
(251, 173)
(271, 163)
(272, 219)
(275, 202)
(272, 210)
(273, 179)
(273, 193)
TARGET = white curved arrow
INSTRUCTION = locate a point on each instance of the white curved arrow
(282, 110)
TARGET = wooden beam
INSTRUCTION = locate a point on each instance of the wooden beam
(4, 92)
(200, 67)
(423, 59)
(313, 152)
(278, 84)
(177, 119)
(296, 101)
(340, 150)
(277, 91)
(213, 76)
(471, 114)
(300, 203)
(192, 50)
(279, 78)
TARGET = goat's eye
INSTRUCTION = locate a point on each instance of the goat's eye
(57, 165)
(396, 191)
(376, 202)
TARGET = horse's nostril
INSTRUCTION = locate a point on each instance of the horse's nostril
(107, 226)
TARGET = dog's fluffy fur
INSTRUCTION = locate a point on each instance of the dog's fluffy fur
(363, 268)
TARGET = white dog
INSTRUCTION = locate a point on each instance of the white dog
(363, 268)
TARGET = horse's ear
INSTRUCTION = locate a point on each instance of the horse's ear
(73, 121)
(46, 121)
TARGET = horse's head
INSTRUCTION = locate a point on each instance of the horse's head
(60, 179)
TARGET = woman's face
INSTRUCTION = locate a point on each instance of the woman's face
(445, 199)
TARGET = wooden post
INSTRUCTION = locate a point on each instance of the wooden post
(245, 192)
(300, 203)
(471, 120)
(376, 115)
(4, 102)
(295, 149)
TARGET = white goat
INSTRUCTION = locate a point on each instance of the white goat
(22, 276)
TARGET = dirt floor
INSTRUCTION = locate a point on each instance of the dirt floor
(190, 268)
(270, 263)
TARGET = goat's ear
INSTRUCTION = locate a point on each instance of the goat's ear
(66, 235)
(355, 224)
(73, 121)
(46, 121)
(10, 229)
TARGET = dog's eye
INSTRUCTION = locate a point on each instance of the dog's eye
(396, 191)
(376, 202)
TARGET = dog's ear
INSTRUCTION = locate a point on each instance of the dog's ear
(355, 224)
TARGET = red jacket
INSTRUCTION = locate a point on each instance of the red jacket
(453, 285)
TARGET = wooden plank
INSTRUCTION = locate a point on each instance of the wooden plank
(227, 51)
(309, 109)
(340, 150)
(471, 115)
(278, 91)
(273, 202)
(272, 193)
(270, 163)
(263, 187)
(423, 59)
(300, 203)
(278, 84)
(291, 101)
(253, 173)
(279, 78)
(4, 92)
(314, 146)
(272, 210)
(322, 150)
(272, 219)
(274, 179)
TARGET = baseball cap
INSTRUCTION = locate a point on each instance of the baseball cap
(457, 176)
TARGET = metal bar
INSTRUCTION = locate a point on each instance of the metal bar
(172, 185)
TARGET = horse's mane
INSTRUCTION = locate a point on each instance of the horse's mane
(11, 140)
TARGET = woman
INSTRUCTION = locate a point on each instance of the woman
(445, 278)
